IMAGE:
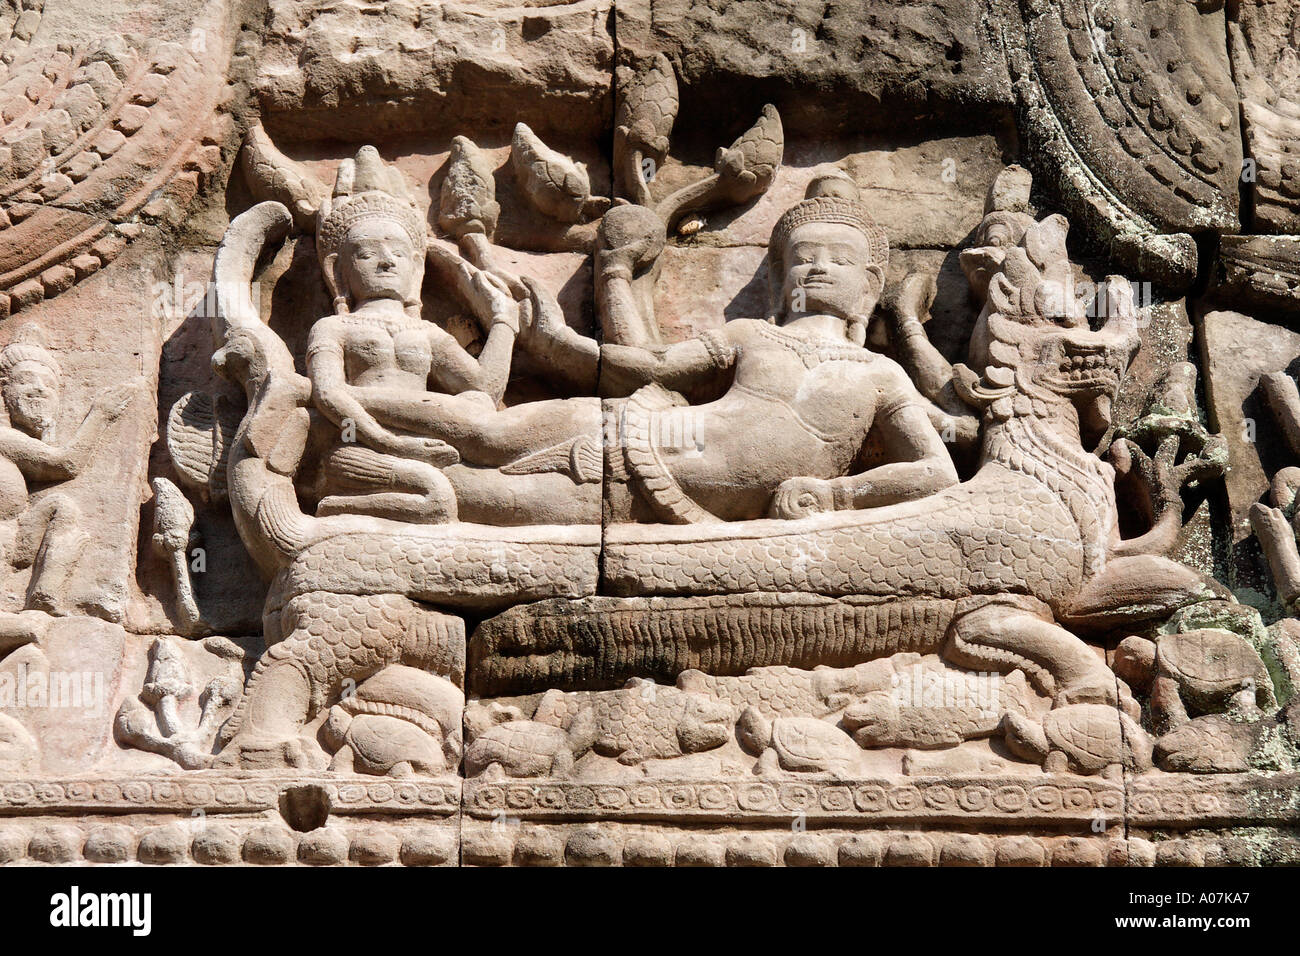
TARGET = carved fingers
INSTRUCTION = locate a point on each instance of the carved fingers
(914, 297)
(491, 297)
(801, 497)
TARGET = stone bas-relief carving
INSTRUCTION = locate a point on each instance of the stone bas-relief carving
(613, 476)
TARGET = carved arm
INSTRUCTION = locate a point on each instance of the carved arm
(38, 460)
(924, 468)
(335, 398)
(625, 368)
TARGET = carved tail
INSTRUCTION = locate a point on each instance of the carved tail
(271, 438)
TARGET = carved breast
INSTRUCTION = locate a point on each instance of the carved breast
(371, 352)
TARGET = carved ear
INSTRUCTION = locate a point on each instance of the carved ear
(333, 281)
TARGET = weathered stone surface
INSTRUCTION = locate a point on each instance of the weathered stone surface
(1262, 43)
(1236, 351)
(617, 433)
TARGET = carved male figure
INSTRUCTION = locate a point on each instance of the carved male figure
(788, 436)
(46, 535)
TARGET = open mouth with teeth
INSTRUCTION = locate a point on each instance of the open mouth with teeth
(1086, 370)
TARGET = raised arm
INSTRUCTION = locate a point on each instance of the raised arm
(456, 371)
(931, 371)
(42, 461)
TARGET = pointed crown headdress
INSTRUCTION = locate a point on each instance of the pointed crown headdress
(366, 189)
(830, 197)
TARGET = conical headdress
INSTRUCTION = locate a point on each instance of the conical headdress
(366, 189)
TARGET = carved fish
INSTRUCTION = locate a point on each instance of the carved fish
(274, 176)
(647, 107)
(467, 203)
(553, 183)
(748, 166)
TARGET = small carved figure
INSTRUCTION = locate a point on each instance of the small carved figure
(880, 720)
(401, 722)
(1006, 222)
(528, 748)
(1085, 738)
(48, 534)
(643, 721)
(1276, 524)
(797, 744)
(153, 722)
(1201, 671)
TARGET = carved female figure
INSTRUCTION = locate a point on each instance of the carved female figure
(408, 401)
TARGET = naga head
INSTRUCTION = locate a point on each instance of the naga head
(1034, 343)
(827, 256)
(369, 237)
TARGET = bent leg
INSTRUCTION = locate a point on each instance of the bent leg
(368, 482)
(483, 433)
(50, 538)
(1008, 635)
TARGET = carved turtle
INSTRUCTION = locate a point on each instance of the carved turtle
(1085, 738)
(1203, 671)
(378, 744)
(528, 748)
(797, 744)
(399, 722)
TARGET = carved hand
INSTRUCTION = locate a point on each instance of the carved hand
(113, 402)
(492, 302)
(432, 450)
(623, 261)
(801, 497)
(913, 300)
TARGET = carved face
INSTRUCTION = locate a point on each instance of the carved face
(828, 271)
(31, 395)
(377, 262)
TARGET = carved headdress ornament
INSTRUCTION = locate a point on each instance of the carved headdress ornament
(366, 189)
(831, 197)
(28, 345)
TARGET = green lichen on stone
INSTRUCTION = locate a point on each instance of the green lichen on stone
(1273, 751)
